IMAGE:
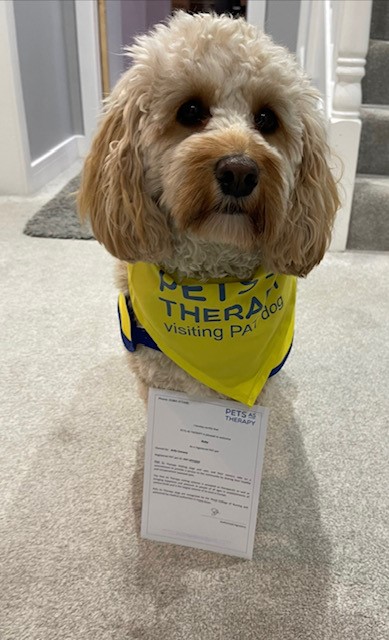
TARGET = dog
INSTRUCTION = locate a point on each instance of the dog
(209, 181)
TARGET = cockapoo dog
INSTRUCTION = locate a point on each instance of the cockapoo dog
(209, 181)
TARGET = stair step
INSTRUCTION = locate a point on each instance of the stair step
(369, 223)
(379, 27)
(374, 147)
(375, 84)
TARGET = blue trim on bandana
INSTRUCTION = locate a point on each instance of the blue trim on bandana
(138, 334)
(279, 367)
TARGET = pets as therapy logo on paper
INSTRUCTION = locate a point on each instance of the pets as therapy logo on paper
(239, 416)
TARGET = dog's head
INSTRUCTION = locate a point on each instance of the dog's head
(214, 131)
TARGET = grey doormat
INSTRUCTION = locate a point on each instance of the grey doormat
(58, 217)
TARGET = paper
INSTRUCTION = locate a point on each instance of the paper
(202, 475)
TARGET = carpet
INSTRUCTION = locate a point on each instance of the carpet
(58, 218)
(73, 564)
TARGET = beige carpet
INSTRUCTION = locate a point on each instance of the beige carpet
(73, 566)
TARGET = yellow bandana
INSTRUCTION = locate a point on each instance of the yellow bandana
(229, 335)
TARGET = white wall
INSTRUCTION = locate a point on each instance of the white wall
(282, 22)
(13, 132)
(125, 20)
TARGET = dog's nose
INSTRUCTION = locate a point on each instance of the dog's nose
(237, 175)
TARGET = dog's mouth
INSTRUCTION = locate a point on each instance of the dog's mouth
(225, 209)
(231, 209)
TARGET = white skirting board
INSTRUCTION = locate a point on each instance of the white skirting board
(56, 161)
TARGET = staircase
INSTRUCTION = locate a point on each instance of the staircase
(369, 224)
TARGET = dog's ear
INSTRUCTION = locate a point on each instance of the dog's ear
(305, 232)
(124, 218)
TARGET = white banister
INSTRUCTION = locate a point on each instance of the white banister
(351, 36)
(332, 45)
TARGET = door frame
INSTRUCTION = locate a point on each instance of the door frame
(88, 39)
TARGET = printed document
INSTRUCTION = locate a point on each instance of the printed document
(202, 475)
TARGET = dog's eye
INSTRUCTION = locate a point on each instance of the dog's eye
(266, 121)
(192, 113)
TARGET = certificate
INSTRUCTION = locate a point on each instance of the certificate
(202, 475)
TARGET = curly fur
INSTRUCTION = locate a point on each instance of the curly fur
(149, 186)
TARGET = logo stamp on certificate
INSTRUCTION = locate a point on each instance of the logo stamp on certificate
(202, 475)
